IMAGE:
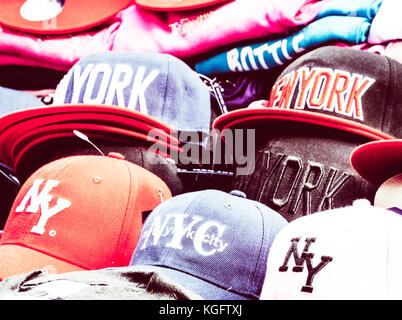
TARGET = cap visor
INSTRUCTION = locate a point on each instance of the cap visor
(13, 147)
(171, 5)
(21, 147)
(15, 260)
(255, 115)
(106, 119)
(203, 288)
(95, 110)
(75, 16)
(378, 161)
(21, 127)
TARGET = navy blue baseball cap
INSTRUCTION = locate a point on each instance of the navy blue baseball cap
(211, 242)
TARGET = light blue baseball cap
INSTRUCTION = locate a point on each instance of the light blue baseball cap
(155, 84)
(211, 242)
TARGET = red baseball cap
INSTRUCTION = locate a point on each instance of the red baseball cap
(19, 129)
(377, 161)
(22, 145)
(71, 16)
(171, 5)
(78, 213)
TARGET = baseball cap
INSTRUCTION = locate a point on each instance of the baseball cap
(299, 169)
(172, 5)
(155, 84)
(211, 242)
(22, 130)
(350, 253)
(11, 100)
(323, 106)
(377, 161)
(115, 94)
(57, 17)
(78, 213)
(352, 90)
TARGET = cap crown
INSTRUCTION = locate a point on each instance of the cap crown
(349, 84)
(212, 235)
(345, 253)
(84, 210)
(158, 85)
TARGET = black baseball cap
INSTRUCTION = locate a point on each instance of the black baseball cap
(322, 106)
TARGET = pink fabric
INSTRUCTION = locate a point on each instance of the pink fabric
(232, 22)
(135, 29)
(57, 52)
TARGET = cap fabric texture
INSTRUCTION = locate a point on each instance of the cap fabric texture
(378, 161)
(74, 15)
(323, 106)
(299, 169)
(172, 5)
(68, 216)
(341, 254)
(211, 242)
(355, 91)
(157, 85)
(13, 100)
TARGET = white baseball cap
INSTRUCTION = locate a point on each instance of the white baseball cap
(346, 253)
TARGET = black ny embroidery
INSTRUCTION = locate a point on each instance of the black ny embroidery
(305, 257)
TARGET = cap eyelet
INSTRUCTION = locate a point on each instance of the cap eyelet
(97, 179)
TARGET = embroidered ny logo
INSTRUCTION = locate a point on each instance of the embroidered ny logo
(305, 257)
(41, 201)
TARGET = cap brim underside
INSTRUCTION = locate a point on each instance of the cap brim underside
(253, 115)
(20, 130)
(163, 5)
(378, 161)
(203, 288)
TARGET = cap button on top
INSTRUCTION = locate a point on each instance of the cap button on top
(238, 193)
(116, 155)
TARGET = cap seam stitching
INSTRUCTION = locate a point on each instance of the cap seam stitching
(119, 241)
(388, 94)
(166, 87)
(252, 278)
